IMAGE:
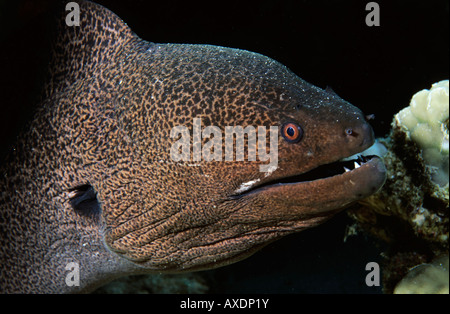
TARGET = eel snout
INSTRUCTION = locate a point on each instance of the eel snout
(360, 136)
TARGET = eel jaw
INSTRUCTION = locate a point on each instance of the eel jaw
(349, 179)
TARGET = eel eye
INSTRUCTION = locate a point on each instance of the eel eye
(292, 132)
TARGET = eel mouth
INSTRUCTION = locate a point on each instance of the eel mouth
(369, 166)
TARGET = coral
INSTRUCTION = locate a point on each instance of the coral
(397, 266)
(411, 211)
(426, 278)
(425, 122)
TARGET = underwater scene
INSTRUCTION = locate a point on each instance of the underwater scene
(257, 147)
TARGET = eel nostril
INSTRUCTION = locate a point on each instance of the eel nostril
(365, 133)
(351, 132)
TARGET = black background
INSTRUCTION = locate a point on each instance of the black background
(327, 43)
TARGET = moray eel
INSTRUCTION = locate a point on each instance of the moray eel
(92, 182)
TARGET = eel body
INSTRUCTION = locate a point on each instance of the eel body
(93, 182)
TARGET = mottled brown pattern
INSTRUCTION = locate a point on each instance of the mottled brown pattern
(109, 107)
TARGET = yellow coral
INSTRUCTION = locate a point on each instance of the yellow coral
(426, 279)
(412, 207)
(425, 122)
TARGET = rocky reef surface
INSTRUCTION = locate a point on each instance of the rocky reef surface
(410, 212)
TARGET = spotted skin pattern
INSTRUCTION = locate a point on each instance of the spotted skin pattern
(104, 127)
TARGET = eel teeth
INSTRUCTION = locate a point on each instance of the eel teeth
(356, 163)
